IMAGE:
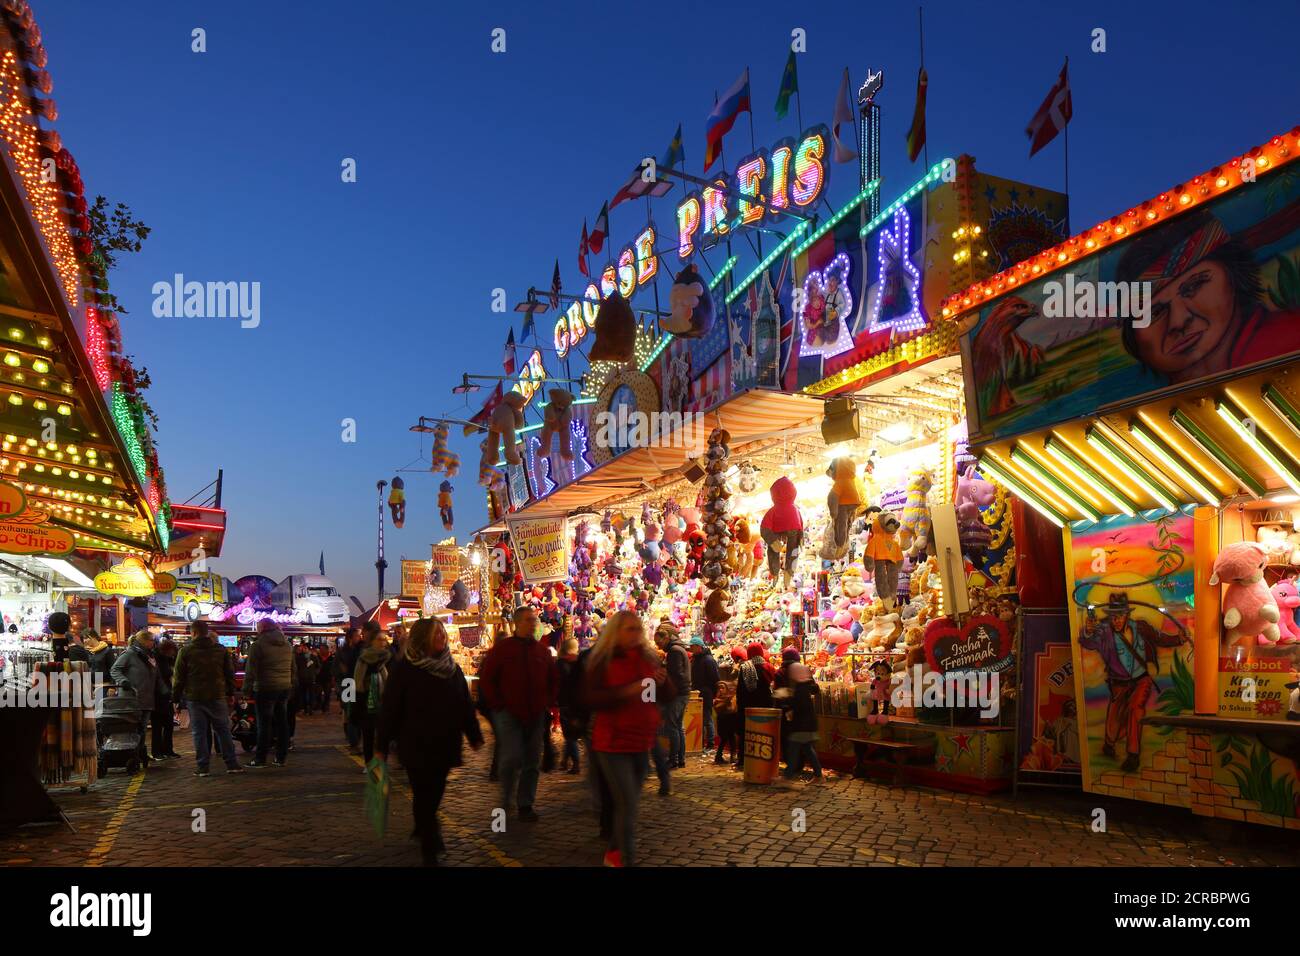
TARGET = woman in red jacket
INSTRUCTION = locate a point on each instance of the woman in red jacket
(619, 685)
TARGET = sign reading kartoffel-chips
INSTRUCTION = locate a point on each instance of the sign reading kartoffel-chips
(540, 548)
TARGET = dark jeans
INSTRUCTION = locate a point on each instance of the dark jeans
(206, 718)
(293, 713)
(323, 698)
(798, 753)
(600, 795)
(519, 747)
(428, 784)
(367, 728)
(625, 774)
(707, 700)
(273, 720)
(163, 715)
(572, 730)
(671, 715)
(727, 725)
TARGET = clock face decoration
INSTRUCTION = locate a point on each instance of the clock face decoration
(621, 415)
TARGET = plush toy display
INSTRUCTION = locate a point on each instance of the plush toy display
(441, 459)
(718, 608)
(507, 419)
(885, 554)
(843, 501)
(1250, 613)
(782, 530)
(691, 306)
(915, 527)
(881, 678)
(615, 329)
(717, 569)
(556, 420)
(973, 494)
(397, 502)
(444, 505)
(1287, 597)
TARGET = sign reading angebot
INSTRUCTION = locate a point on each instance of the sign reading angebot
(541, 547)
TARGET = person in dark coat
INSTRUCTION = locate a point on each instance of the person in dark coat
(98, 656)
(371, 678)
(573, 716)
(801, 728)
(704, 678)
(427, 709)
(136, 672)
(164, 712)
(345, 662)
(753, 689)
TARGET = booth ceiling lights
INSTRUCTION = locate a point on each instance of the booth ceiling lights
(1215, 452)
(1021, 490)
(1057, 448)
(1250, 433)
(1163, 454)
(1211, 184)
(1107, 445)
(1063, 491)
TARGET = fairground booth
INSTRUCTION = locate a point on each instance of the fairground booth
(81, 490)
(776, 454)
(1138, 385)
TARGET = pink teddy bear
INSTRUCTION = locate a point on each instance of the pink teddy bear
(1287, 597)
(1250, 611)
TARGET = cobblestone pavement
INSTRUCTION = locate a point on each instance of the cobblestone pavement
(310, 813)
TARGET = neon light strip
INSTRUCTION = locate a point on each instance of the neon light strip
(1056, 448)
(835, 220)
(576, 401)
(1112, 454)
(1023, 493)
(775, 254)
(1034, 468)
(935, 173)
(1281, 406)
(198, 524)
(726, 267)
(1229, 413)
(1166, 457)
(1212, 450)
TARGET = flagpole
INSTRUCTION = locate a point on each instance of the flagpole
(753, 146)
(1067, 155)
(920, 20)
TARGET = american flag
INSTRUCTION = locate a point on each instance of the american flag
(555, 286)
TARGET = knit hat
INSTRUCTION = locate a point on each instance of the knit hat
(738, 654)
(756, 651)
(789, 655)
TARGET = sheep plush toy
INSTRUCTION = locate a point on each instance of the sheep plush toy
(1250, 612)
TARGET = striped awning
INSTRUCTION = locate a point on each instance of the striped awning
(750, 416)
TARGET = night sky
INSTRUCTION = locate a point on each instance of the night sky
(475, 171)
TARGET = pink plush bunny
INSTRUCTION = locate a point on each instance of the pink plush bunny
(1287, 597)
(1250, 612)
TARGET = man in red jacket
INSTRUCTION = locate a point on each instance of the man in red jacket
(519, 681)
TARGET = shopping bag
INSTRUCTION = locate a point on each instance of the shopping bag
(184, 717)
(378, 785)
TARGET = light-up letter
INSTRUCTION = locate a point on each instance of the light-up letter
(590, 305)
(647, 263)
(608, 282)
(577, 329)
(562, 336)
(809, 173)
(688, 221)
(749, 181)
(780, 177)
(715, 210)
(626, 273)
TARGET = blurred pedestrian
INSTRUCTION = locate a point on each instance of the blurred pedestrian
(136, 672)
(671, 697)
(753, 689)
(729, 725)
(370, 676)
(345, 662)
(270, 678)
(571, 712)
(164, 713)
(704, 678)
(802, 733)
(427, 709)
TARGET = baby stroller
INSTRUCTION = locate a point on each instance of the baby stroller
(118, 740)
(243, 724)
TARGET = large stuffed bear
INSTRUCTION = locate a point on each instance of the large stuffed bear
(507, 419)
(556, 421)
(690, 304)
(842, 503)
(782, 530)
(615, 329)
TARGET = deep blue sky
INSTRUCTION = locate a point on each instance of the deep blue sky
(476, 170)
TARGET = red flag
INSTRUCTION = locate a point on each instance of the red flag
(484, 415)
(916, 135)
(508, 360)
(1053, 114)
(582, 251)
(596, 241)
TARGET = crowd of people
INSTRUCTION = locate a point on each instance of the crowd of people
(619, 706)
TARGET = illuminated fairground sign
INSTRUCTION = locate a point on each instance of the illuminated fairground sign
(636, 265)
(531, 376)
(791, 175)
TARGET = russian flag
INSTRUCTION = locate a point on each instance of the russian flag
(734, 102)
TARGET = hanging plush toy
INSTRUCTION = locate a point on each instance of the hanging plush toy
(973, 495)
(444, 504)
(442, 459)
(717, 570)
(885, 554)
(748, 477)
(397, 502)
(782, 530)
(459, 596)
(691, 306)
(844, 500)
(915, 527)
(1250, 612)
(507, 419)
(557, 420)
(718, 608)
(615, 329)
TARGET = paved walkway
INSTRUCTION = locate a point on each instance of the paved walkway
(310, 813)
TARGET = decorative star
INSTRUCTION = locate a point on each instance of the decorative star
(991, 193)
(1013, 194)
(962, 742)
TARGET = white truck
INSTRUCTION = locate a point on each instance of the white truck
(314, 595)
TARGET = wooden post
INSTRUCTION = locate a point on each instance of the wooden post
(1206, 620)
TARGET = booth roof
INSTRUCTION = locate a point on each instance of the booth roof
(750, 416)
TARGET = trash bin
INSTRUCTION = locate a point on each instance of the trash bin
(693, 723)
(762, 743)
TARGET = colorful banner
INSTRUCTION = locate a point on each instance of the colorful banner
(446, 564)
(541, 548)
(415, 578)
(1214, 290)
(1049, 723)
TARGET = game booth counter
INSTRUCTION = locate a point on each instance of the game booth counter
(1138, 385)
(844, 405)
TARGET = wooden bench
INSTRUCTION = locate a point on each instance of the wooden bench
(900, 751)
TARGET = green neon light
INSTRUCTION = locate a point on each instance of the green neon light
(775, 254)
(1212, 449)
(1047, 478)
(576, 401)
(935, 173)
(835, 220)
(726, 267)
